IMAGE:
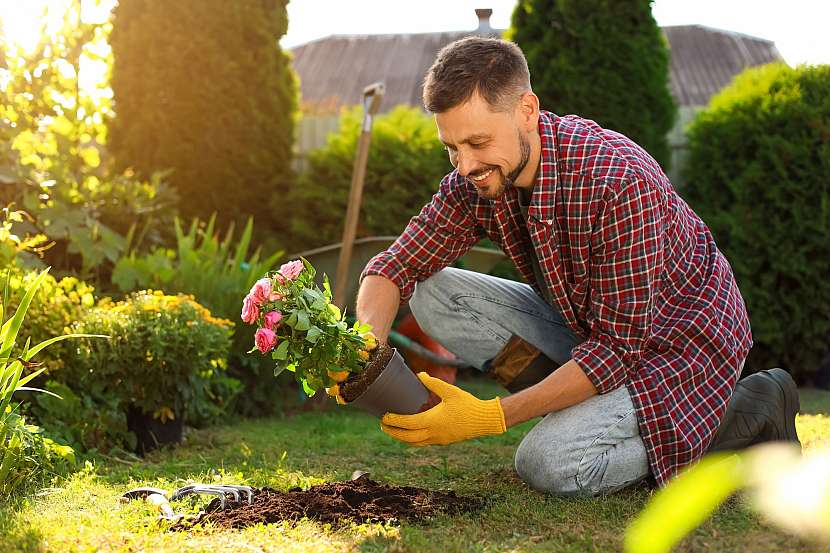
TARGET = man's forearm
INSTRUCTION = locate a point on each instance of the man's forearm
(565, 387)
(377, 304)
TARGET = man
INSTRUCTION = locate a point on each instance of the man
(642, 326)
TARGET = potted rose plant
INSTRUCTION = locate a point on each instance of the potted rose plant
(305, 333)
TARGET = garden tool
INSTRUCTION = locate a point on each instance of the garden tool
(372, 97)
(221, 491)
(158, 497)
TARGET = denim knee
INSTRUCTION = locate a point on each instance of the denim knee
(535, 467)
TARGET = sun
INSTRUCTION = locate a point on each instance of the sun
(22, 21)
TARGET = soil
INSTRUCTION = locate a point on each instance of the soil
(352, 387)
(361, 500)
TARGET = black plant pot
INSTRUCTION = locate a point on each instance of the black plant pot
(151, 433)
(395, 390)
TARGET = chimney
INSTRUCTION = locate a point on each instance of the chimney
(484, 28)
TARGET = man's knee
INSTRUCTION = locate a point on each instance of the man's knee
(546, 466)
(539, 469)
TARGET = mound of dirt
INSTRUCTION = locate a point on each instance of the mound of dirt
(361, 500)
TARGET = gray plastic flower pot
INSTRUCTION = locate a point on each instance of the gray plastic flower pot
(395, 390)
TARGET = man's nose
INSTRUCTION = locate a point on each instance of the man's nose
(464, 164)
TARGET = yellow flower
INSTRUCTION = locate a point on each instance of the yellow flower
(338, 376)
(334, 391)
(370, 340)
(164, 414)
(363, 354)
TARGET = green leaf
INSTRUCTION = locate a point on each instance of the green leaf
(327, 287)
(281, 353)
(313, 334)
(292, 320)
(313, 295)
(302, 321)
(308, 389)
(685, 503)
(311, 271)
(335, 311)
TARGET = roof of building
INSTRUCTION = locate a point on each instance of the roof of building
(334, 70)
(704, 60)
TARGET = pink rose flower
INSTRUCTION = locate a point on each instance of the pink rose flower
(250, 310)
(265, 339)
(272, 319)
(261, 290)
(292, 269)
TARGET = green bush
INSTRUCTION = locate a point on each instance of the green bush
(219, 274)
(203, 88)
(87, 420)
(166, 356)
(29, 456)
(759, 176)
(406, 163)
(606, 61)
(25, 454)
(57, 304)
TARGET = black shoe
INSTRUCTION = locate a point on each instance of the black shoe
(762, 409)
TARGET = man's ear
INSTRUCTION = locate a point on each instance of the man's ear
(529, 110)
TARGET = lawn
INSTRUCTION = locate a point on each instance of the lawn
(84, 514)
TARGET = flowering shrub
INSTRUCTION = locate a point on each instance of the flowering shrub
(166, 355)
(56, 305)
(303, 331)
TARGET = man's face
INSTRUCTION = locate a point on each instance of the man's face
(490, 149)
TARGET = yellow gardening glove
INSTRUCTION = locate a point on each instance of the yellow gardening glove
(459, 416)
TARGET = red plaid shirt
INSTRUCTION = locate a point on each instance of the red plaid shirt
(633, 270)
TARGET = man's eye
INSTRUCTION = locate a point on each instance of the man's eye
(478, 145)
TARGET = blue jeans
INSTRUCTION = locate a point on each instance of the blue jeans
(591, 448)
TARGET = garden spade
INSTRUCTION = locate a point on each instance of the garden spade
(372, 97)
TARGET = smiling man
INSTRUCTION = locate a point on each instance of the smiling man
(629, 339)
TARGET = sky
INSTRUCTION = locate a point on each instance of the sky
(798, 27)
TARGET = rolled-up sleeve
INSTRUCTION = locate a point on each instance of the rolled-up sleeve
(443, 231)
(626, 260)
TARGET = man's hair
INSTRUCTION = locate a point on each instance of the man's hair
(496, 68)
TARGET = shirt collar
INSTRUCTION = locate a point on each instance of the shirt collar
(542, 207)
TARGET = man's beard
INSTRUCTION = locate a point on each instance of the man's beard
(510, 180)
(524, 147)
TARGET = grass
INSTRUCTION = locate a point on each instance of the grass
(83, 512)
